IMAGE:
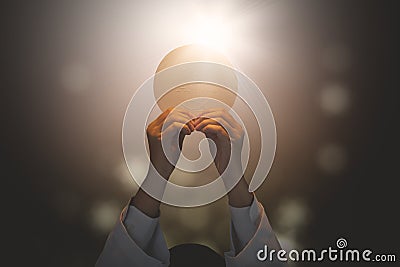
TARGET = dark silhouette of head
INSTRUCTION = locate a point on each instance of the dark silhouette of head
(195, 255)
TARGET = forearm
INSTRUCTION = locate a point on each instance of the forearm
(145, 202)
(240, 196)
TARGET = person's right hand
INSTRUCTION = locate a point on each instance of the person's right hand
(177, 124)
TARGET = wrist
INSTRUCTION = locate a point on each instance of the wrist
(229, 165)
(146, 204)
(233, 169)
(164, 170)
(240, 196)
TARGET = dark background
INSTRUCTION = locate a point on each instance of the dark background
(61, 152)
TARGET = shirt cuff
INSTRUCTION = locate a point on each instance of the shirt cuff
(244, 223)
(244, 254)
(139, 226)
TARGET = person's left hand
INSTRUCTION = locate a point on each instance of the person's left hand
(224, 130)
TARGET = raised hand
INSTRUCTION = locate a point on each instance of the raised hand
(222, 128)
(162, 135)
(171, 125)
(227, 134)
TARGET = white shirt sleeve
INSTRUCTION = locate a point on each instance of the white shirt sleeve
(250, 231)
(136, 240)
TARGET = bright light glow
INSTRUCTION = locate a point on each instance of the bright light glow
(215, 32)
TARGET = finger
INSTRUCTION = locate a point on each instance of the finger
(201, 119)
(191, 126)
(180, 120)
(167, 112)
(212, 129)
(185, 130)
(189, 121)
(175, 118)
(204, 122)
(182, 112)
(175, 128)
(218, 121)
(197, 120)
(221, 113)
(163, 115)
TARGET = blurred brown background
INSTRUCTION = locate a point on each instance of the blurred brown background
(69, 69)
